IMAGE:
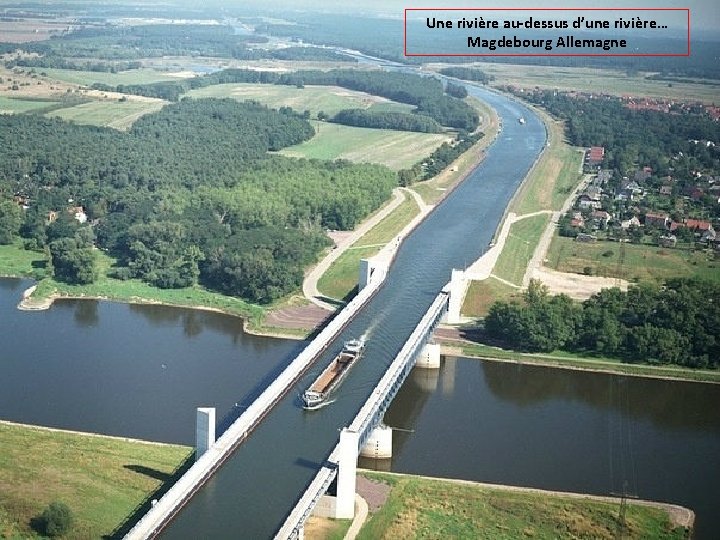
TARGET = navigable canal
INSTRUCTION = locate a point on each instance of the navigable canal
(141, 370)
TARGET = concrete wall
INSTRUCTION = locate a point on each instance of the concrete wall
(204, 430)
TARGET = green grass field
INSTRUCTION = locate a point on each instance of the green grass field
(396, 149)
(86, 78)
(481, 295)
(519, 248)
(342, 276)
(430, 508)
(631, 261)
(16, 106)
(114, 114)
(101, 479)
(16, 261)
(329, 99)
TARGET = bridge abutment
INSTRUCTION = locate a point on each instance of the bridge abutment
(367, 269)
(456, 288)
(347, 469)
(204, 430)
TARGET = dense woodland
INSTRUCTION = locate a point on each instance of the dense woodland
(426, 93)
(673, 324)
(632, 138)
(468, 74)
(387, 120)
(188, 194)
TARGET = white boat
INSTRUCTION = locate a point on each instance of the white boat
(328, 381)
(521, 120)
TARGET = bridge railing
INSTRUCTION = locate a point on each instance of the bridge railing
(176, 497)
(368, 416)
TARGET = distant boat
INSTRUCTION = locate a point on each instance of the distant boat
(319, 391)
(521, 120)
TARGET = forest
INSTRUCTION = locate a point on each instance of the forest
(635, 137)
(426, 93)
(189, 194)
(98, 49)
(671, 324)
(387, 120)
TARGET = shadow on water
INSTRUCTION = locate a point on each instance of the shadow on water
(141, 509)
(247, 400)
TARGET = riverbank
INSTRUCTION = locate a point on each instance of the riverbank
(102, 479)
(411, 506)
(563, 360)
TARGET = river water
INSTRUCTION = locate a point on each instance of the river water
(140, 371)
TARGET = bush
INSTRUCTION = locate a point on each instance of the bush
(608, 253)
(56, 519)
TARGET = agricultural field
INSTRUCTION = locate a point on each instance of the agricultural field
(328, 99)
(115, 114)
(482, 294)
(396, 149)
(16, 106)
(101, 479)
(633, 262)
(87, 78)
(608, 81)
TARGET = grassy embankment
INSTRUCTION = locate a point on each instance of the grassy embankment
(432, 508)
(632, 262)
(342, 276)
(546, 187)
(569, 360)
(101, 479)
(15, 261)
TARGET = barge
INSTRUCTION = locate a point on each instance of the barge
(320, 390)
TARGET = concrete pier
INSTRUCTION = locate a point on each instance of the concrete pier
(429, 357)
(379, 444)
(204, 430)
(347, 470)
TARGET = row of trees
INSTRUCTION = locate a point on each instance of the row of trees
(188, 195)
(674, 324)
(387, 120)
(468, 74)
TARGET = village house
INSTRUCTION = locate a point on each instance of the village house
(627, 223)
(594, 156)
(657, 219)
(600, 218)
(667, 241)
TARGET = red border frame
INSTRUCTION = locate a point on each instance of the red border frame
(405, 52)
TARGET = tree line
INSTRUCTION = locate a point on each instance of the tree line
(671, 324)
(188, 195)
(387, 120)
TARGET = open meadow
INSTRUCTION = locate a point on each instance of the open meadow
(633, 262)
(396, 149)
(115, 114)
(10, 105)
(328, 99)
(101, 479)
(87, 78)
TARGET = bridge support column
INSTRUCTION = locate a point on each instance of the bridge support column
(457, 287)
(379, 445)
(429, 357)
(204, 430)
(347, 469)
(367, 268)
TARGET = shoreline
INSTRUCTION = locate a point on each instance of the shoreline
(460, 351)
